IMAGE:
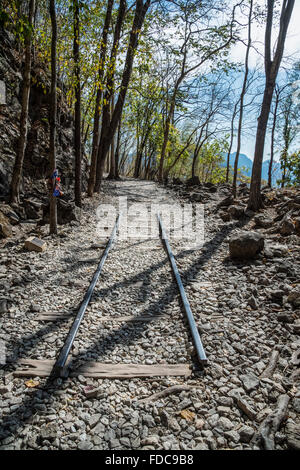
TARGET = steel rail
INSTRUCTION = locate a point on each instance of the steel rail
(59, 369)
(192, 324)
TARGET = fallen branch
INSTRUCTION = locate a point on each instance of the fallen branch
(268, 372)
(273, 422)
(166, 392)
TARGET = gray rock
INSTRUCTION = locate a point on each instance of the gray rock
(3, 305)
(225, 423)
(224, 401)
(201, 446)
(48, 432)
(236, 211)
(227, 201)
(85, 445)
(93, 420)
(148, 420)
(99, 429)
(263, 221)
(246, 244)
(232, 436)
(253, 302)
(250, 382)
(246, 434)
(287, 226)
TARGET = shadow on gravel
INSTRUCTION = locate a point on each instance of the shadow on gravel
(13, 421)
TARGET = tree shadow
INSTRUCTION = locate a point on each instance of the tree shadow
(14, 420)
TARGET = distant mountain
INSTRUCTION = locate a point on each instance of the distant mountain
(246, 163)
(276, 171)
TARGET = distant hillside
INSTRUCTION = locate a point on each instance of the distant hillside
(247, 163)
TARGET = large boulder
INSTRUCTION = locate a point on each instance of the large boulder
(246, 244)
(33, 209)
(287, 226)
(263, 221)
(236, 211)
(227, 201)
(66, 212)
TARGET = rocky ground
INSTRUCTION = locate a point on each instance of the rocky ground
(247, 311)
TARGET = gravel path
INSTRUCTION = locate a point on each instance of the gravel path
(239, 325)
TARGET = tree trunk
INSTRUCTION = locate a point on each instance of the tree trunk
(286, 139)
(272, 141)
(18, 166)
(107, 110)
(112, 172)
(77, 130)
(52, 117)
(197, 149)
(255, 201)
(237, 155)
(96, 129)
(167, 130)
(139, 157)
(271, 70)
(138, 162)
(117, 153)
(231, 140)
(110, 129)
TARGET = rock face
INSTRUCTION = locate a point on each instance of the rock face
(36, 160)
(246, 244)
(66, 212)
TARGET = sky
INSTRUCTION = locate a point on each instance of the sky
(292, 49)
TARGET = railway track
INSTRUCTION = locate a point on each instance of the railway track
(66, 364)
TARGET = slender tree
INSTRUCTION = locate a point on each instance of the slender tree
(77, 124)
(242, 97)
(96, 130)
(108, 107)
(235, 109)
(18, 166)
(277, 94)
(187, 68)
(108, 131)
(52, 115)
(112, 171)
(117, 152)
(271, 72)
